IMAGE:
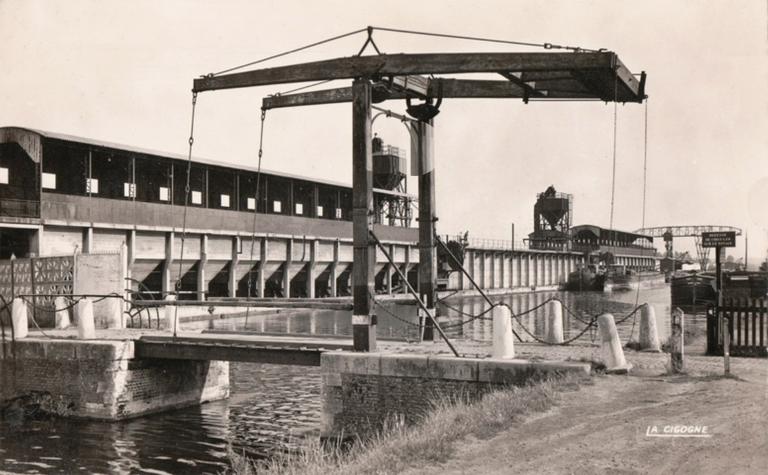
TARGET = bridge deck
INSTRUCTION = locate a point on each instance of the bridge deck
(303, 351)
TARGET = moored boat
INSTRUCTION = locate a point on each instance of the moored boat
(693, 289)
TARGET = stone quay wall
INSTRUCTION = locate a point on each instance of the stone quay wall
(102, 379)
(362, 391)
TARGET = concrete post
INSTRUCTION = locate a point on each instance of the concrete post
(130, 251)
(61, 313)
(232, 275)
(263, 258)
(171, 315)
(202, 282)
(88, 240)
(19, 318)
(677, 342)
(649, 335)
(114, 314)
(555, 322)
(287, 269)
(86, 328)
(168, 262)
(310, 283)
(335, 269)
(610, 345)
(503, 343)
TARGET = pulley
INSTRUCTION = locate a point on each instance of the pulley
(427, 110)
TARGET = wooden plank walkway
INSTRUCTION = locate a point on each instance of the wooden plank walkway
(302, 351)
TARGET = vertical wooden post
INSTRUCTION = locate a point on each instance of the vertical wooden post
(724, 321)
(424, 140)
(364, 252)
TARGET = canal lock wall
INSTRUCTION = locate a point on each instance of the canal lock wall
(103, 380)
(361, 392)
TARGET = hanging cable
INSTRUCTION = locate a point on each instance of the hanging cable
(186, 205)
(613, 172)
(256, 212)
(285, 53)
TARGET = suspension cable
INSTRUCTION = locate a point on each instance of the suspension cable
(186, 206)
(370, 30)
(257, 198)
(487, 40)
(613, 172)
(285, 53)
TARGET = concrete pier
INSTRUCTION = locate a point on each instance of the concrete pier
(102, 379)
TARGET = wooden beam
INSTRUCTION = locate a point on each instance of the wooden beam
(452, 88)
(529, 88)
(408, 64)
(364, 251)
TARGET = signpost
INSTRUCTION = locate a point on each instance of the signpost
(719, 240)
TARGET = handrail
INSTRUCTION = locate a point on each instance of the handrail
(413, 292)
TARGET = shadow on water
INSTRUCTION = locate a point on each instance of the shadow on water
(271, 407)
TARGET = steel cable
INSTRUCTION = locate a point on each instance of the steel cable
(486, 40)
(285, 53)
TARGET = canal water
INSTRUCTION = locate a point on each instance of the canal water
(271, 407)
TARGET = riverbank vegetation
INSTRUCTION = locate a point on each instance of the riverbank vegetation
(434, 440)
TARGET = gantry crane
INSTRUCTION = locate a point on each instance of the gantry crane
(578, 75)
(694, 231)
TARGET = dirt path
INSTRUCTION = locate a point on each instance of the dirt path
(601, 428)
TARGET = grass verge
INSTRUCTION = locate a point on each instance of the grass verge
(398, 447)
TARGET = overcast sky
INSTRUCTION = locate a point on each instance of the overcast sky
(122, 72)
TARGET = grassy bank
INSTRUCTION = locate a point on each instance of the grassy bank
(398, 447)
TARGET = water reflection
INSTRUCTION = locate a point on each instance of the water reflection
(271, 406)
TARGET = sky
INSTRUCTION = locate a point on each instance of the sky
(122, 72)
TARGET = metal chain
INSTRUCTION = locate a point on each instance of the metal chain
(186, 205)
(257, 198)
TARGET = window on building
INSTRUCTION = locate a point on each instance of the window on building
(3, 176)
(277, 206)
(164, 193)
(251, 203)
(197, 198)
(338, 213)
(49, 181)
(319, 211)
(129, 190)
(92, 185)
(225, 201)
(299, 208)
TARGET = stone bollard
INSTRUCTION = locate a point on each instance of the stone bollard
(86, 328)
(649, 335)
(171, 315)
(555, 322)
(503, 343)
(610, 345)
(114, 317)
(677, 342)
(62, 313)
(19, 318)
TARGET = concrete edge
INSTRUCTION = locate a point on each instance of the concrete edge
(494, 371)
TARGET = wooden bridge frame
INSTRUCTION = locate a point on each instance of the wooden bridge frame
(579, 76)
